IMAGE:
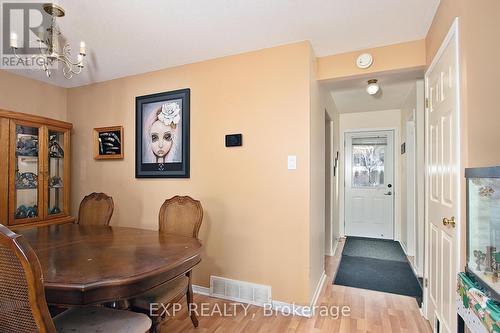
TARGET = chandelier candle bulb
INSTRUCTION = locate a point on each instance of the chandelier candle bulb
(50, 52)
(82, 47)
(13, 40)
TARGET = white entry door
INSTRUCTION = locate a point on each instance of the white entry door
(369, 184)
(442, 175)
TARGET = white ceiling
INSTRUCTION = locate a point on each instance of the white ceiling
(127, 37)
(351, 96)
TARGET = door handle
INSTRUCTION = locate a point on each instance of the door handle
(388, 193)
(451, 221)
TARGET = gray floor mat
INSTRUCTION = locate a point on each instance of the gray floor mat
(373, 248)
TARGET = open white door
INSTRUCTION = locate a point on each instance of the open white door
(369, 184)
(442, 180)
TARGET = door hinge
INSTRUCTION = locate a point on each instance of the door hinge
(426, 103)
(426, 282)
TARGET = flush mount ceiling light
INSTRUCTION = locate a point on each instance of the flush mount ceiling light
(50, 53)
(372, 87)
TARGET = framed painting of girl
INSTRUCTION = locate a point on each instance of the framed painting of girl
(162, 135)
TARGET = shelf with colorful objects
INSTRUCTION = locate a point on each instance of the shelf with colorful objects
(34, 180)
(478, 300)
(480, 313)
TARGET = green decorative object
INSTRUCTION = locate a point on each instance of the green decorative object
(474, 299)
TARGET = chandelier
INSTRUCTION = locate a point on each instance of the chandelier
(50, 53)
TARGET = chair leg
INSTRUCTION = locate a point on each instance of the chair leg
(155, 322)
(189, 296)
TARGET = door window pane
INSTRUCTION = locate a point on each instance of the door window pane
(26, 172)
(368, 161)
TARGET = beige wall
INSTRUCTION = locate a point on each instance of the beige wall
(402, 56)
(317, 180)
(372, 120)
(320, 221)
(256, 224)
(21, 94)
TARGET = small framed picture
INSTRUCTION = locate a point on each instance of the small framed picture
(162, 135)
(108, 143)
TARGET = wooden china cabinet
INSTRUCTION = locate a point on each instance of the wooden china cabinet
(35, 157)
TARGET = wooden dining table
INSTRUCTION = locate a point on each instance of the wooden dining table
(84, 265)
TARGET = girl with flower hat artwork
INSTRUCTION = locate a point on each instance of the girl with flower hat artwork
(162, 135)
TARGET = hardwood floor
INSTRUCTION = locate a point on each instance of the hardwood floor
(370, 311)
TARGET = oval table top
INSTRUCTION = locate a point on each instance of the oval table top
(92, 264)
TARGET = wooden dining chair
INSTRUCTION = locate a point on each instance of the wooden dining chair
(24, 308)
(180, 215)
(96, 209)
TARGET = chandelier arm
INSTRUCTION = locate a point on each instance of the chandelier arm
(69, 69)
(49, 53)
(67, 54)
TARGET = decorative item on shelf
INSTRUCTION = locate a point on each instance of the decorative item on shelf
(50, 54)
(162, 135)
(479, 311)
(108, 143)
(480, 257)
(55, 150)
(32, 211)
(490, 250)
(27, 145)
(26, 180)
(23, 212)
(55, 182)
(54, 210)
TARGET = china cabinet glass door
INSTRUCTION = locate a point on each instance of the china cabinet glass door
(57, 171)
(26, 180)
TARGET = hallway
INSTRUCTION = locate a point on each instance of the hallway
(371, 311)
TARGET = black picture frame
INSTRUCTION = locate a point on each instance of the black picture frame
(163, 167)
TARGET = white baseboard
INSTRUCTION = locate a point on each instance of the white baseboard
(319, 287)
(286, 308)
(403, 247)
(412, 264)
(335, 247)
(292, 309)
(201, 290)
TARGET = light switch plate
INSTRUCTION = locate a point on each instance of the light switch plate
(292, 162)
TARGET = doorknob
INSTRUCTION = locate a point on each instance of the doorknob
(388, 193)
(449, 221)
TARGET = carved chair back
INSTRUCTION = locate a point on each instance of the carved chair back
(96, 209)
(181, 215)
